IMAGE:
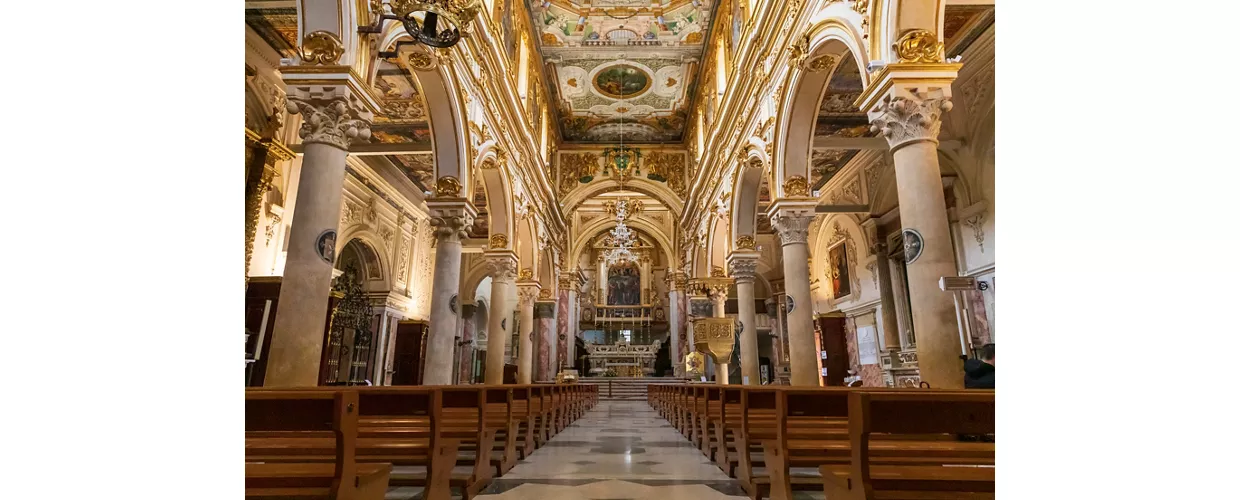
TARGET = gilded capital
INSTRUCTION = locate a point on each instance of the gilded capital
(910, 117)
(332, 115)
(321, 47)
(793, 227)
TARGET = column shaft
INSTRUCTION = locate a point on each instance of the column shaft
(297, 340)
(497, 327)
(923, 209)
(674, 322)
(440, 344)
(525, 353)
(749, 334)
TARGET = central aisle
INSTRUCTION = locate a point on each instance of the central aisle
(620, 449)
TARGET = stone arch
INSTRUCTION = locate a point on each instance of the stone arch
(472, 278)
(593, 228)
(717, 242)
(440, 87)
(656, 190)
(748, 184)
(837, 38)
(361, 244)
(526, 245)
(493, 177)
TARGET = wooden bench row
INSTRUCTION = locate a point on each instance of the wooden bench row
(862, 443)
(342, 443)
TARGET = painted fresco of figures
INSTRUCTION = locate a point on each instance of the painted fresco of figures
(624, 285)
(838, 272)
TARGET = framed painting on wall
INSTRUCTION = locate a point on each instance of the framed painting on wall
(838, 274)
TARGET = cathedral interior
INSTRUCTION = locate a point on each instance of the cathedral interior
(610, 194)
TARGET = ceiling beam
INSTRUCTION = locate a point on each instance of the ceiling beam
(829, 142)
(377, 149)
(842, 209)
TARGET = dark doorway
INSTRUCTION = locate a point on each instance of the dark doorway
(408, 355)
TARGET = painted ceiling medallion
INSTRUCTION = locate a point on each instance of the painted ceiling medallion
(622, 81)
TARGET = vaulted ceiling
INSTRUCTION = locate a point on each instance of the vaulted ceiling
(622, 68)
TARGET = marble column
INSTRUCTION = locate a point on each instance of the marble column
(792, 222)
(743, 266)
(886, 316)
(564, 335)
(676, 321)
(526, 293)
(544, 317)
(503, 266)
(908, 116)
(719, 299)
(465, 364)
(450, 227)
(333, 118)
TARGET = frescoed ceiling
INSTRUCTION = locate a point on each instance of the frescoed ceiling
(838, 117)
(277, 25)
(622, 68)
(963, 23)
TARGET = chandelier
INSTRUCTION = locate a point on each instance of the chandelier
(437, 23)
(622, 238)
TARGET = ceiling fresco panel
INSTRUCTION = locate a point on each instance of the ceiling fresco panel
(622, 70)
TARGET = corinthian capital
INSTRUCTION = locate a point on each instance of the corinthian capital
(503, 268)
(332, 115)
(526, 294)
(793, 227)
(910, 117)
(743, 269)
(452, 227)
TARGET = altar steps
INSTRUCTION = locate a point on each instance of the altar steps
(626, 388)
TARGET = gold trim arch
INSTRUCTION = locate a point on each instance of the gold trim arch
(656, 190)
(499, 212)
(602, 224)
(794, 138)
(748, 187)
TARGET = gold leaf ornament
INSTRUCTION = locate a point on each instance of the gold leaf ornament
(321, 47)
(919, 46)
(447, 187)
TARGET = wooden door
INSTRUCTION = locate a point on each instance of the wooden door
(834, 343)
(409, 352)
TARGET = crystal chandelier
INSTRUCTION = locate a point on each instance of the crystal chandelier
(621, 238)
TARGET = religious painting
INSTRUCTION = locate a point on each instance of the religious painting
(624, 286)
(622, 81)
(838, 274)
(325, 245)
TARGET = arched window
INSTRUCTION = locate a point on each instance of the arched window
(618, 35)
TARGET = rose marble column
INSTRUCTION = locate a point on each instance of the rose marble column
(333, 117)
(908, 115)
(743, 266)
(544, 316)
(503, 266)
(791, 218)
(527, 291)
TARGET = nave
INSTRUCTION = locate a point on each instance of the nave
(619, 449)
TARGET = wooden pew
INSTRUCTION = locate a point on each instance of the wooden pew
(812, 429)
(872, 414)
(465, 417)
(293, 415)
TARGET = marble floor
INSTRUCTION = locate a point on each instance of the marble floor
(618, 450)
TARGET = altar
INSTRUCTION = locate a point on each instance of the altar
(622, 359)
